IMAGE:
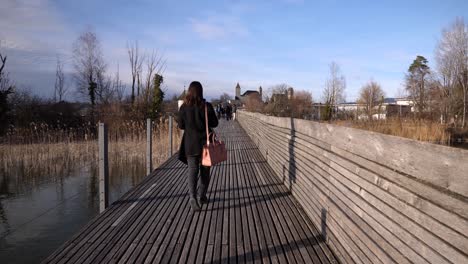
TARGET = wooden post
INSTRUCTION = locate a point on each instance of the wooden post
(103, 168)
(170, 136)
(149, 147)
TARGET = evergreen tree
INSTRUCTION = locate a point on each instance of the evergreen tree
(416, 81)
(158, 97)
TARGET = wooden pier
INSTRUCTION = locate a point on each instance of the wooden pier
(251, 217)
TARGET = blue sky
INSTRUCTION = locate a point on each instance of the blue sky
(221, 43)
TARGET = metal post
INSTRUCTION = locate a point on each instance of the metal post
(170, 136)
(103, 168)
(149, 146)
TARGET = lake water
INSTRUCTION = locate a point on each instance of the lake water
(38, 214)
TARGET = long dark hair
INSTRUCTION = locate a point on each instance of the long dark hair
(194, 95)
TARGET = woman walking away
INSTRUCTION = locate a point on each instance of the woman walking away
(192, 120)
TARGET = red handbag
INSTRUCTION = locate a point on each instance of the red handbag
(213, 153)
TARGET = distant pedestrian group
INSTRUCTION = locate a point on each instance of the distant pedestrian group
(227, 111)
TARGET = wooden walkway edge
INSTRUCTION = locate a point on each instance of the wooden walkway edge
(251, 217)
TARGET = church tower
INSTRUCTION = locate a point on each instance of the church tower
(238, 91)
(290, 93)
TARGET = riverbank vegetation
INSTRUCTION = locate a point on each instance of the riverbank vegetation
(42, 136)
(35, 162)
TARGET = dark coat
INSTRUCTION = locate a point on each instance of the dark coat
(192, 120)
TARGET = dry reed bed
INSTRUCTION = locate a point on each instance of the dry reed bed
(38, 162)
(422, 130)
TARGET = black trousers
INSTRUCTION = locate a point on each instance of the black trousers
(194, 166)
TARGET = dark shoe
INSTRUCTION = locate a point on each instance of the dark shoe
(194, 204)
(203, 199)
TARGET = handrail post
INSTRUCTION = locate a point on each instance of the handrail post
(103, 168)
(170, 136)
(149, 146)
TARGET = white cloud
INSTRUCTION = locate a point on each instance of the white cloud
(219, 27)
(30, 25)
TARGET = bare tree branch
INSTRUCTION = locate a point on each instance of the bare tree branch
(60, 89)
(89, 65)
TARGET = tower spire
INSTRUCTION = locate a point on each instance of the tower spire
(238, 91)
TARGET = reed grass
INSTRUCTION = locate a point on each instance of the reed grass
(422, 130)
(48, 155)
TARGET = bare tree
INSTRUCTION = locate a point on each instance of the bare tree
(224, 97)
(6, 88)
(104, 92)
(452, 65)
(278, 103)
(253, 103)
(334, 91)
(60, 89)
(370, 96)
(154, 65)
(5, 83)
(301, 104)
(277, 93)
(89, 65)
(117, 86)
(139, 74)
(135, 65)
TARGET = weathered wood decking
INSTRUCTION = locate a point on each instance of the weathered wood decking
(251, 217)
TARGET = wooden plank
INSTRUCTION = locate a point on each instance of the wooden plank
(381, 199)
(200, 237)
(256, 200)
(247, 219)
(446, 170)
(307, 226)
(124, 232)
(233, 146)
(300, 225)
(204, 249)
(370, 244)
(88, 244)
(241, 256)
(96, 223)
(157, 214)
(286, 242)
(360, 191)
(158, 222)
(218, 233)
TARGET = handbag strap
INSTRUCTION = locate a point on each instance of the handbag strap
(206, 126)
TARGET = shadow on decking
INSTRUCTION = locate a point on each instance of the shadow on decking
(246, 200)
(281, 249)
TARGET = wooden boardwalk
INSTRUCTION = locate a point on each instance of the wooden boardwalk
(251, 217)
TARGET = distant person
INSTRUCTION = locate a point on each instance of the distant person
(192, 120)
(218, 111)
(228, 112)
(223, 111)
(234, 110)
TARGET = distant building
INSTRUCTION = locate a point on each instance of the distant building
(283, 97)
(406, 102)
(241, 99)
(391, 107)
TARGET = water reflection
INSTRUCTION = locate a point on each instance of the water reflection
(39, 212)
